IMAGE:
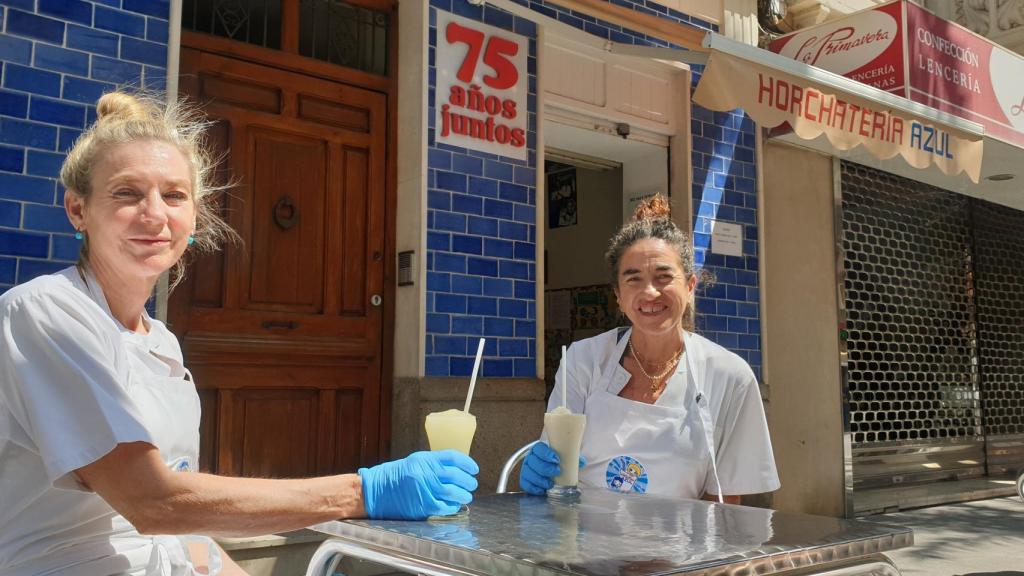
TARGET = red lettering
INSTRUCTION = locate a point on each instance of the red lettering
(840, 113)
(765, 89)
(878, 127)
(828, 103)
(797, 100)
(508, 109)
(865, 122)
(476, 98)
(496, 56)
(490, 129)
(477, 128)
(518, 138)
(457, 96)
(458, 124)
(812, 94)
(502, 134)
(445, 121)
(835, 42)
(455, 33)
(781, 98)
(808, 57)
(493, 105)
(505, 73)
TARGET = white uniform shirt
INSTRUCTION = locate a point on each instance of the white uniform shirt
(71, 389)
(618, 430)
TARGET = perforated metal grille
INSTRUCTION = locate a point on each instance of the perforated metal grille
(999, 251)
(910, 318)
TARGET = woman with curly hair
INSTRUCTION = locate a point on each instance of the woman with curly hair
(668, 411)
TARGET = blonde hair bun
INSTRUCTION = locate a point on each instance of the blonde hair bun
(652, 208)
(125, 118)
(121, 106)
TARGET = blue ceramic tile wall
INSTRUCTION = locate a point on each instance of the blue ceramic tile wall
(56, 58)
(481, 235)
(724, 189)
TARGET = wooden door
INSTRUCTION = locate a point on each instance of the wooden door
(283, 332)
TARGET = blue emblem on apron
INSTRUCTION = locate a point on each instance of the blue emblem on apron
(626, 474)
(181, 465)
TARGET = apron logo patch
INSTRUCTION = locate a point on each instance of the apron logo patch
(626, 474)
(182, 465)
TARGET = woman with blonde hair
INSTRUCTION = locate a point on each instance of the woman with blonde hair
(668, 411)
(99, 418)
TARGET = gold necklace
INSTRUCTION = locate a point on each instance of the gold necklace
(656, 379)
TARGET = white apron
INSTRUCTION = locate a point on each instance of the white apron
(650, 448)
(171, 409)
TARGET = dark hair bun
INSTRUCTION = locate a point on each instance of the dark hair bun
(653, 208)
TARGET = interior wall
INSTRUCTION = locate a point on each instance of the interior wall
(575, 254)
(641, 177)
(801, 366)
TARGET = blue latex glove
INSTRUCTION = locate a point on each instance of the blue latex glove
(419, 485)
(540, 468)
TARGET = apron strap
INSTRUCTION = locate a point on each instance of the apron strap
(709, 435)
(703, 408)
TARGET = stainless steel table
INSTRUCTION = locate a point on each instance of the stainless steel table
(608, 534)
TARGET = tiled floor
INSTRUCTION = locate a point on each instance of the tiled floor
(985, 537)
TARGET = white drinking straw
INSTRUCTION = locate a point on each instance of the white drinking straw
(472, 379)
(565, 371)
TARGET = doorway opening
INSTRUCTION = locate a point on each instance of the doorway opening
(593, 182)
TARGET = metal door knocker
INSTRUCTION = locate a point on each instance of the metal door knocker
(285, 213)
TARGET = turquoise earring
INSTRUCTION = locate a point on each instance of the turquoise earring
(78, 235)
(191, 240)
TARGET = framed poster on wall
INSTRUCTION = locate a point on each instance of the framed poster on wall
(562, 198)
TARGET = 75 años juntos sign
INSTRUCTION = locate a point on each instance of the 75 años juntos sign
(480, 97)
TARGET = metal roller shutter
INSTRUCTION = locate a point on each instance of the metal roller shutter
(999, 265)
(913, 385)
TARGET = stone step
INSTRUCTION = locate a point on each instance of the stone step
(285, 554)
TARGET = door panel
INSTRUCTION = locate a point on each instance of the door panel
(259, 416)
(356, 215)
(279, 329)
(348, 407)
(248, 95)
(207, 429)
(336, 114)
(289, 219)
(209, 293)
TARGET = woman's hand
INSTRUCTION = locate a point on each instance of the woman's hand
(422, 484)
(540, 468)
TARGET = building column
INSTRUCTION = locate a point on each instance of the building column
(739, 20)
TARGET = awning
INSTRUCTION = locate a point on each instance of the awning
(776, 91)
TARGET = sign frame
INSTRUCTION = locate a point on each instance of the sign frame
(481, 90)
